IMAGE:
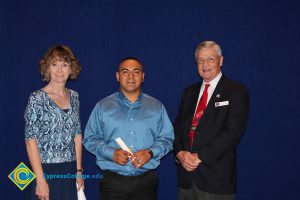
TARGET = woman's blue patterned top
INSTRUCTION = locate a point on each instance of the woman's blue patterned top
(53, 128)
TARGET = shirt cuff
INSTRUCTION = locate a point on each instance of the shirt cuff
(107, 152)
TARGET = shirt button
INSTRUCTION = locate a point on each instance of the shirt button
(132, 172)
(131, 119)
(131, 132)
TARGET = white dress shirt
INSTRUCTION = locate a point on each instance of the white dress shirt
(210, 90)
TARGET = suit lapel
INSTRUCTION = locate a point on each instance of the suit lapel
(193, 103)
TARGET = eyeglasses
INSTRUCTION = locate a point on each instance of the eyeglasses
(210, 60)
(134, 72)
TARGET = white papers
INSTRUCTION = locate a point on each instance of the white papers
(80, 194)
(122, 145)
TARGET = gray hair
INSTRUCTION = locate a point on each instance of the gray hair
(208, 44)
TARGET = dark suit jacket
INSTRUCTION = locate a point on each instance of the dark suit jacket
(216, 137)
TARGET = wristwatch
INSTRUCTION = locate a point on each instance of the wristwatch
(150, 152)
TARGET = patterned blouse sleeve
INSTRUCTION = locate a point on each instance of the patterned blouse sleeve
(33, 117)
(77, 111)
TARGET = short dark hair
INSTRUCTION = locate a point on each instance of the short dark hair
(130, 58)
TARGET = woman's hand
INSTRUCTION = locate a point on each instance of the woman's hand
(42, 189)
(79, 181)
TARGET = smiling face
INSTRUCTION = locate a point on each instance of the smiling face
(59, 70)
(130, 76)
(209, 63)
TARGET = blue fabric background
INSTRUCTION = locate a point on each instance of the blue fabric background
(260, 41)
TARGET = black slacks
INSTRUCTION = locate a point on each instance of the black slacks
(114, 186)
(195, 194)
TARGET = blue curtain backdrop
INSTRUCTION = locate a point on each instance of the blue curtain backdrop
(260, 41)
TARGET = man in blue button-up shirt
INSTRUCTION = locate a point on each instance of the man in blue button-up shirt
(141, 121)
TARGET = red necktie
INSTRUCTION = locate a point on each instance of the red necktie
(198, 114)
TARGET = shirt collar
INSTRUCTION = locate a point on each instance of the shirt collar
(125, 100)
(214, 82)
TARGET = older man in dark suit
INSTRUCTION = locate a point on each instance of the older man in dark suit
(211, 121)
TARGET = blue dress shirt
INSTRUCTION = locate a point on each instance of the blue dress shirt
(143, 124)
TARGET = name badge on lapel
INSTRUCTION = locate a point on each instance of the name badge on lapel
(221, 103)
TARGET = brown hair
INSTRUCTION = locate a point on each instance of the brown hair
(59, 52)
